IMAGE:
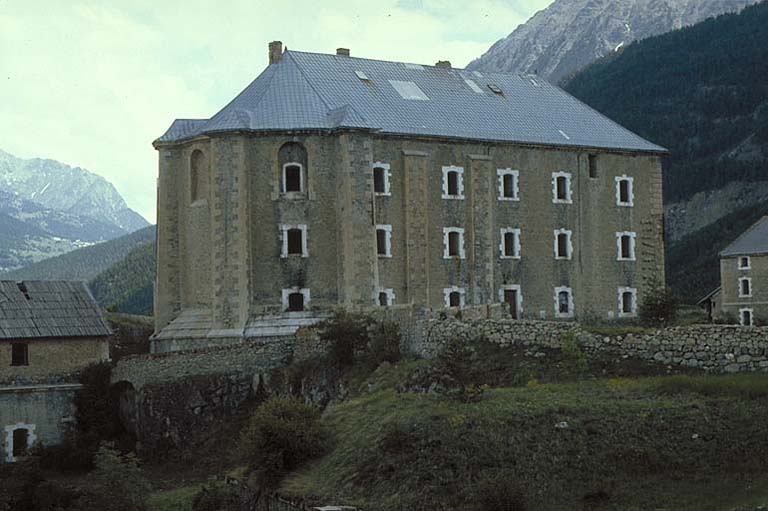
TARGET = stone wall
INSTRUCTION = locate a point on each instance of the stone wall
(52, 360)
(713, 348)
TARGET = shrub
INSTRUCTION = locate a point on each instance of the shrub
(217, 497)
(660, 306)
(119, 484)
(575, 361)
(282, 435)
(17, 484)
(95, 414)
(384, 344)
(65, 457)
(346, 333)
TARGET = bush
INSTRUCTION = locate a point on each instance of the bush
(17, 484)
(218, 497)
(575, 361)
(282, 435)
(119, 484)
(660, 306)
(95, 414)
(65, 457)
(384, 344)
(346, 334)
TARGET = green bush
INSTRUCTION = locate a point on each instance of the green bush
(282, 435)
(217, 497)
(346, 334)
(575, 361)
(118, 484)
(17, 484)
(95, 414)
(384, 344)
(66, 457)
(660, 306)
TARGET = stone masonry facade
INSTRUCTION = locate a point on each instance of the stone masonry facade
(443, 227)
(744, 295)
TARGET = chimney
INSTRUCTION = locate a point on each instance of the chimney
(443, 64)
(344, 52)
(275, 52)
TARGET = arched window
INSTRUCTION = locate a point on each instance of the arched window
(199, 175)
(292, 159)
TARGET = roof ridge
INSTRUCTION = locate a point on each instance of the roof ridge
(309, 82)
(744, 234)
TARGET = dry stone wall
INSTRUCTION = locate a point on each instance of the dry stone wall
(713, 348)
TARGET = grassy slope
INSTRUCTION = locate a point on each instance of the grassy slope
(683, 443)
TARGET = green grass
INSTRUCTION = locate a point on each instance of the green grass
(176, 499)
(681, 442)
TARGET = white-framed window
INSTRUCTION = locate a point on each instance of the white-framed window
(19, 439)
(563, 244)
(295, 299)
(453, 182)
(512, 296)
(293, 238)
(625, 194)
(384, 240)
(453, 243)
(385, 297)
(745, 263)
(509, 184)
(509, 245)
(627, 302)
(293, 178)
(381, 175)
(561, 188)
(745, 287)
(625, 246)
(563, 302)
(592, 164)
(454, 296)
(746, 317)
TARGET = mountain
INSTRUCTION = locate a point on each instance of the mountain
(570, 34)
(48, 208)
(73, 190)
(84, 263)
(702, 92)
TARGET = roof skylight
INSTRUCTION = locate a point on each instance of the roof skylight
(414, 66)
(362, 75)
(472, 85)
(477, 73)
(409, 90)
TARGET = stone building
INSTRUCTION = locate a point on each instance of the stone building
(743, 291)
(48, 332)
(340, 181)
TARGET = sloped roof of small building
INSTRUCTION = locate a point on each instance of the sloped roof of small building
(753, 241)
(49, 309)
(308, 91)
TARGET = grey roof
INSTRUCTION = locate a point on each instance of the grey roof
(753, 241)
(308, 91)
(38, 309)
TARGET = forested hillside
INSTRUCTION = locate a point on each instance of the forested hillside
(702, 92)
(128, 285)
(84, 263)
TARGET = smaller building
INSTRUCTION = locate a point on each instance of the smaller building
(743, 292)
(49, 331)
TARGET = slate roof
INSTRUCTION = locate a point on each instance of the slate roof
(753, 241)
(45, 309)
(308, 91)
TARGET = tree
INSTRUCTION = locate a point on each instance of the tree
(659, 307)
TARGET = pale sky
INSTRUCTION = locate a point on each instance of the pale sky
(92, 83)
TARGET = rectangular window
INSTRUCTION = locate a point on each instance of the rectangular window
(293, 178)
(625, 246)
(508, 184)
(561, 188)
(593, 166)
(295, 299)
(627, 302)
(454, 296)
(746, 317)
(19, 354)
(385, 298)
(745, 287)
(294, 240)
(20, 442)
(384, 240)
(563, 302)
(563, 244)
(453, 182)
(510, 243)
(381, 176)
(744, 263)
(625, 195)
(453, 243)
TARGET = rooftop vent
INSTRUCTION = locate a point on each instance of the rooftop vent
(275, 52)
(362, 76)
(495, 89)
(443, 64)
(344, 52)
(23, 288)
